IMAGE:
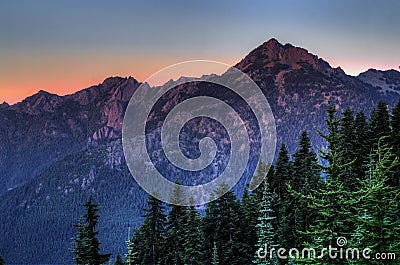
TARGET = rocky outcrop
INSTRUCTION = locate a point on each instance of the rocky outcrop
(45, 127)
(39, 103)
(271, 54)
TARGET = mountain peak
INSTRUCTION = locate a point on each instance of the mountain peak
(4, 105)
(43, 92)
(39, 102)
(273, 41)
(272, 53)
(113, 80)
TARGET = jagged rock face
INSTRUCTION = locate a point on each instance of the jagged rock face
(86, 96)
(39, 103)
(112, 114)
(299, 86)
(45, 127)
(272, 53)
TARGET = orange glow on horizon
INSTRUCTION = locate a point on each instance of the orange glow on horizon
(23, 75)
(355, 67)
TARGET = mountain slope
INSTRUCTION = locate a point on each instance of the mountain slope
(299, 86)
(44, 128)
(55, 151)
(41, 213)
(387, 82)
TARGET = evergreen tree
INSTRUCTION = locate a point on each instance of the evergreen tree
(306, 178)
(119, 260)
(225, 227)
(332, 202)
(133, 248)
(395, 122)
(332, 154)
(305, 165)
(358, 236)
(211, 222)
(362, 145)
(380, 124)
(152, 233)
(395, 140)
(251, 204)
(234, 248)
(264, 229)
(377, 225)
(347, 150)
(250, 207)
(82, 247)
(282, 174)
(174, 234)
(193, 237)
(270, 179)
(1, 260)
(87, 245)
(282, 177)
(215, 258)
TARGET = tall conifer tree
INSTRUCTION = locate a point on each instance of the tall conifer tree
(224, 226)
(174, 234)
(87, 246)
(282, 177)
(264, 229)
(395, 140)
(347, 149)
(332, 202)
(152, 233)
(193, 237)
(306, 179)
(362, 144)
(380, 125)
(377, 225)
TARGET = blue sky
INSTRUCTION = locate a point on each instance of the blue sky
(63, 46)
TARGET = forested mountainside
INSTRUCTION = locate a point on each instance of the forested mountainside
(56, 150)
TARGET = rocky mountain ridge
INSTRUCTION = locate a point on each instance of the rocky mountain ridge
(387, 82)
(45, 127)
(55, 150)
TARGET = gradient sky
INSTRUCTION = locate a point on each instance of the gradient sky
(64, 46)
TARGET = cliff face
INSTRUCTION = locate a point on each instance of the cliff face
(45, 128)
(271, 52)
